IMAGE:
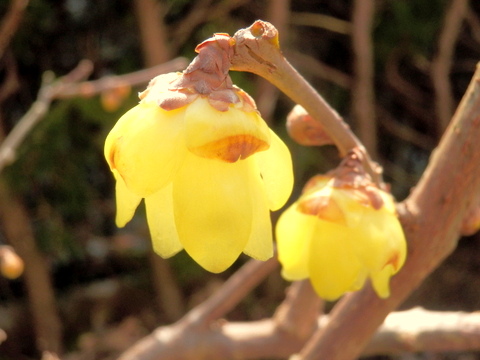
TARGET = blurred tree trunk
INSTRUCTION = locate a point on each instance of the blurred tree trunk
(16, 224)
(155, 50)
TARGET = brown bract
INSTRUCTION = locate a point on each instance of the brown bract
(351, 175)
(206, 76)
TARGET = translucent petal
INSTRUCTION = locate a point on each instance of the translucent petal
(260, 243)
(334, 269)
(213, 210)
(379, 240)
(294, 232)
(381, 280)
(353, 211)
(225, 135)
(161, 223)
(146, 147)
(127, 202)
(276, 168)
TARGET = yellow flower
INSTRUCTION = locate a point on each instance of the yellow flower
(208, 167)
(338, 235)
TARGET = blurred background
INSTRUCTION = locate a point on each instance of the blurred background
(395, 71)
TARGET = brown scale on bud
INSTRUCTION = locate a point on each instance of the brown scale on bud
(206, 76)
(350, 175)
(305, 130)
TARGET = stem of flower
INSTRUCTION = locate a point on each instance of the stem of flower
(257, 51)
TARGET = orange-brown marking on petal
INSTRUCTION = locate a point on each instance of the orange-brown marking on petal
(323, 207)
(231, 148)
(112, 154)
(394, 260)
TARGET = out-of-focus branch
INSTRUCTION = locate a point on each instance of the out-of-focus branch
(15, 222)
(413, 330)
(297, 314)
(418, 330)
(67, 87)
(323, 21)
(11, 22)
(152, 31)
(441, 64)
(202, 11)
(432, 217)
(233, 291)
(363, 97)
(278, 13)
(188, 338)
(317, 68)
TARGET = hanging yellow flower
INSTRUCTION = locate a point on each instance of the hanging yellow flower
(206, 163)
(341, 231)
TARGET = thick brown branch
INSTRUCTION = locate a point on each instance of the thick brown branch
(432, 217)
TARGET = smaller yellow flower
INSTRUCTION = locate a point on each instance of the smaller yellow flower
(341, 231)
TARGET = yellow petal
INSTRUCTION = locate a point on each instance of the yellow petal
(260, 242)
(146, 147)
(276, 168)
(161, 223)
(127, 202)
(225, 135)
(353, 211)
(294, 233)
(379, 240)
(381, 280)
(334, 269)
(213, 210)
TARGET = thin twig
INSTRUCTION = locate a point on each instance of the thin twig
(233, 291)
(441, 64)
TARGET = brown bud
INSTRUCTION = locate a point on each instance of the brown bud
(305, 130)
